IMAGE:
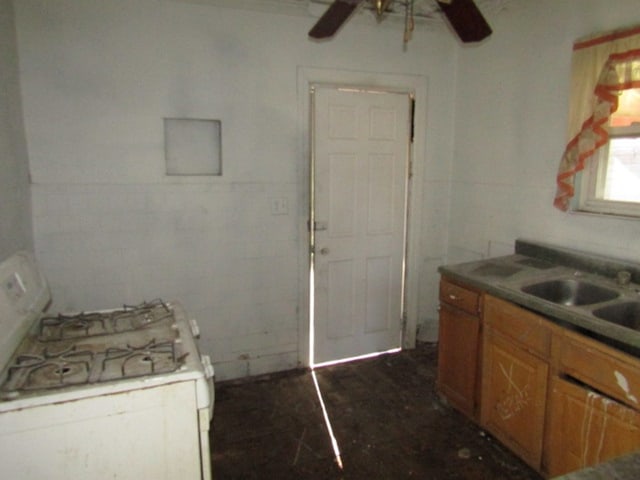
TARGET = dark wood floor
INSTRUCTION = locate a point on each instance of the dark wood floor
(387, 419)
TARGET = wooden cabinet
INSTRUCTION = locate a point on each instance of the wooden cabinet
(514, 380)
(559, 400)
(459, 347)
(593, 406)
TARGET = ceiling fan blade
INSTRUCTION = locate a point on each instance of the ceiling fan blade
(337, 13)
(466, 19)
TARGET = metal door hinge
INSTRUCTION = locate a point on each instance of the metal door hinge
(317, 226)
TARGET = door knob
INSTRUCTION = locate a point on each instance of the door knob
(324, 251)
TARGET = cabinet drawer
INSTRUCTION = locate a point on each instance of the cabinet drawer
(586, 428)
(459, 297)
(527, 328)
(607, 370)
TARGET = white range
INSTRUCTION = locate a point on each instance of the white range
(120, 393)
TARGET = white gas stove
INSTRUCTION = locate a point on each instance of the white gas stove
(121, 393)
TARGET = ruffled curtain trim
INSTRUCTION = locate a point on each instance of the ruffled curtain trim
(621, 72)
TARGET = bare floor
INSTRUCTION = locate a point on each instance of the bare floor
(387, 419)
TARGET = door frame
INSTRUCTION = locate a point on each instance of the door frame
(414, 85)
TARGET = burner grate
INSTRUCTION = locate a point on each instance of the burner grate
(63, 326)
(95, 347)
(51, 370)
(139, 316)
(128, 318)
(133, 361)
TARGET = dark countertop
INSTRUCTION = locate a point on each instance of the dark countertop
(536, 262)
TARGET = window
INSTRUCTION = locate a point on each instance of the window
(611, 184)
(603, 126)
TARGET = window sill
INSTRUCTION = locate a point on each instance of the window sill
(612, 216)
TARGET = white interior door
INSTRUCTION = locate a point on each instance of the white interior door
(361, 144)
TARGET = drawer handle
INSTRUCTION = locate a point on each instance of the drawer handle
(452, 297)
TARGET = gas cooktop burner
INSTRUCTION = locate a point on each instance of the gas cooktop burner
(50, 370)
(93, 347)
(128, 318)
(77, 366)
(131, 361)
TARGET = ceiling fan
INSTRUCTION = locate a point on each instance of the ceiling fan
(463, 15)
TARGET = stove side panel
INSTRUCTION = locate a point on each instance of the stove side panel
(145, 433)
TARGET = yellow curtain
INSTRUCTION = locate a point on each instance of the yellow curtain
(602, 66)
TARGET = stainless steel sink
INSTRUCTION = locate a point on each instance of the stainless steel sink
(626, 314)
(570, 292)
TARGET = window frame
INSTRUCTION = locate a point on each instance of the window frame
(591, 185)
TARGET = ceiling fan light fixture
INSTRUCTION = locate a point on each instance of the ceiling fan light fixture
(381, 6)
(463, 16)
(466, 20)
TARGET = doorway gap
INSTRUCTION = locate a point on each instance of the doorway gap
(313, 366)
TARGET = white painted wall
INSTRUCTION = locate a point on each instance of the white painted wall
(15, 198)
(511, 112)
(98, 77)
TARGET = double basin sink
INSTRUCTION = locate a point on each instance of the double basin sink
(565, 289)
(574, 292)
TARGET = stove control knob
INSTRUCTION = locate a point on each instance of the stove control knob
(208, 366)
(195, 329)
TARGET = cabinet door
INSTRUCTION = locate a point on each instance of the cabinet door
(458, 358)
(586, 428)
(514, 388)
